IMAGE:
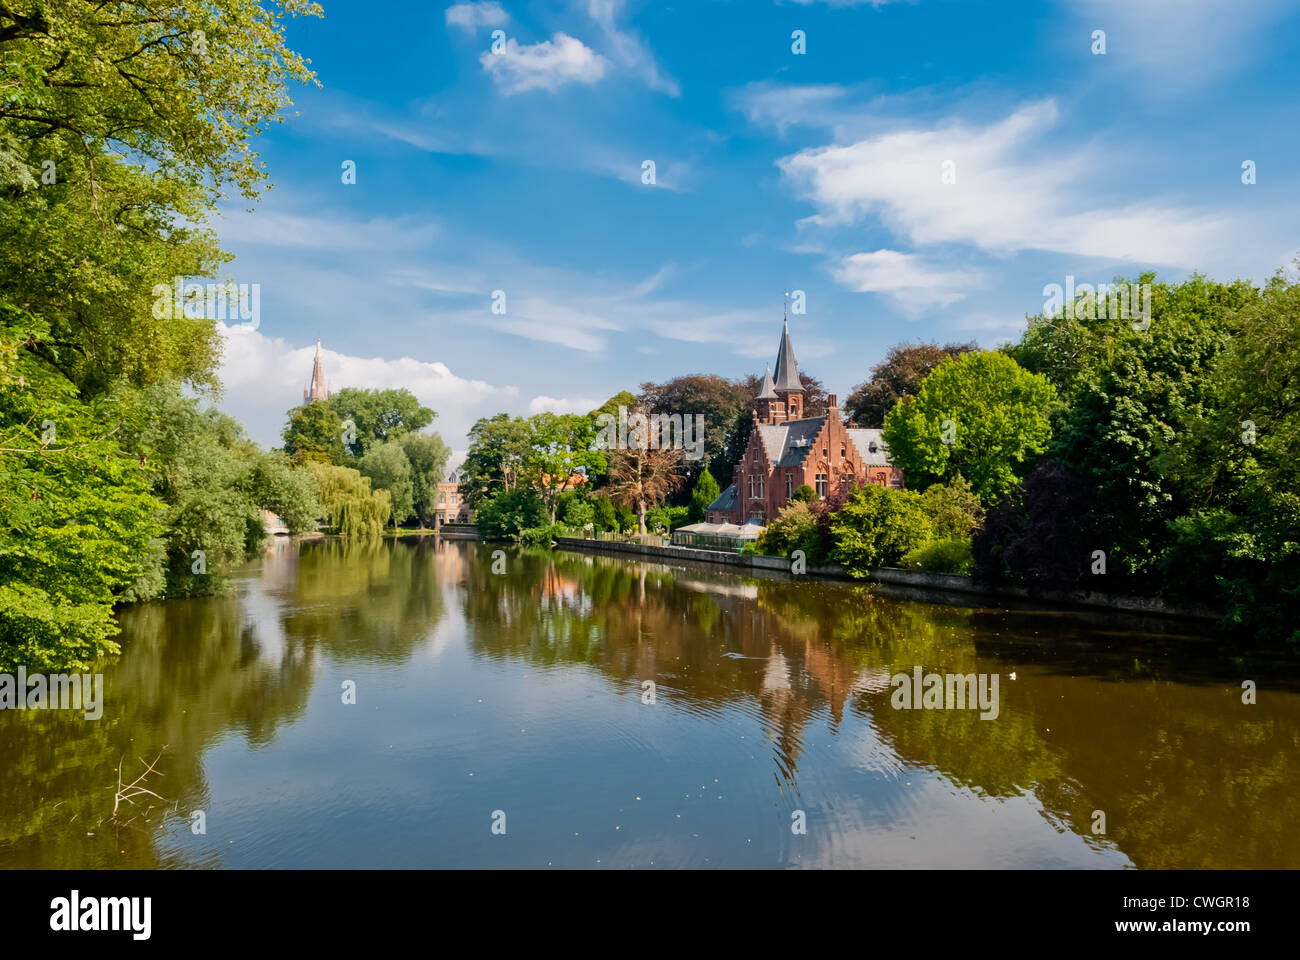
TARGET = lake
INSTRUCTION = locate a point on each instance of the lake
(503, 719)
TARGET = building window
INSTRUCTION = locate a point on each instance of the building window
(751, 486)
(844, 451)
(821, 485)
(760, 486)
(789, 486)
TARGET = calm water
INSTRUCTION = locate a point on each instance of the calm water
(521, 692)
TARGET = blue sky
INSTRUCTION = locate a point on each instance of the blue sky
(522, 171)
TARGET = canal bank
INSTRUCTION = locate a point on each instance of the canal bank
(939, 583)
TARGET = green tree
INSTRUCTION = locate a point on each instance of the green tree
(314, 432)
(77, 522)
(353, 509)
(147, 113)
(428, 454)
(606, 519)
(379, 415)
(794, 528)
(510, 513)
(559, 446)
(497, 457)
(980, 415)
(705, 492)
(1132, 393)
(388, 468)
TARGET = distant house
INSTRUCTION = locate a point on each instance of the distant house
(788, 450)
(451, 506)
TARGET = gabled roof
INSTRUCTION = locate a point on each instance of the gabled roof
(865, 440)
(787, 444)
(727, 500)
(787, 370)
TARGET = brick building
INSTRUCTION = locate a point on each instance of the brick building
(788, 450)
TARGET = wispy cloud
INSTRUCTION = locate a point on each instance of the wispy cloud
(1176, 44)
(626, 48)
(269, 228)
(472, 16)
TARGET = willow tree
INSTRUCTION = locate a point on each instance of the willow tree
(353, 509)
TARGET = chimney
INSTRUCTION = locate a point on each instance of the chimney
(831, 403)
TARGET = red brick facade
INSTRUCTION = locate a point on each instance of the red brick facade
(787, 450)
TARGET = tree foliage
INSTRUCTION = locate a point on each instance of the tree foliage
(876, 527)
(378, 416)
(898, 375)
(77, 521)
(980, 415)
(353, 509)
(387, 468)
(705, 492)
(314, 432)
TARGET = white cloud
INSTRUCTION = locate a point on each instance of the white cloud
(544, 403)
(548, 65)
(627, 48)
(1011, 193)
(471, 16)
(263, 377)
(905, 277)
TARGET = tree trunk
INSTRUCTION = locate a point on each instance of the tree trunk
(640, 516)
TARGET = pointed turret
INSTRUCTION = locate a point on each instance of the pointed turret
(788, 386)
(768, 392)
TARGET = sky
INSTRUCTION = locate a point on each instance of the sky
(917, 169)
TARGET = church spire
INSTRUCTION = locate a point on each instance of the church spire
(316, 390)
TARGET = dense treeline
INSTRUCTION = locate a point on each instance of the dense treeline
(1145, 455)
(120, 128)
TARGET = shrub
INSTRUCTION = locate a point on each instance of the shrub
(510, 513)
(803, 493)
(667, 518)
(877, 526)
(955, 512)
(948, 555)
(795, 528)
(605, 516)
(578, 513)
(542, 535)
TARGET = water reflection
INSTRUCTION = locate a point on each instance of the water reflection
(523, 691)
